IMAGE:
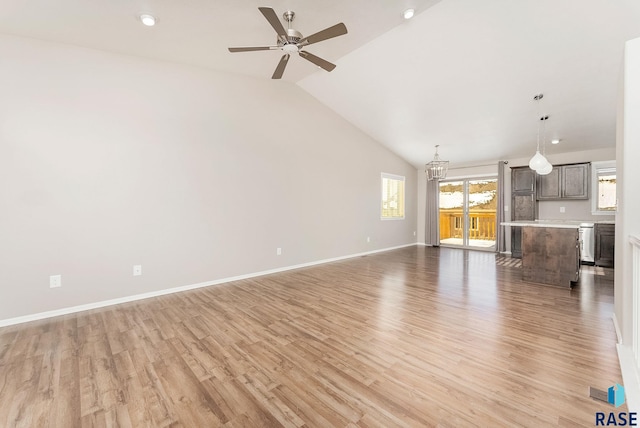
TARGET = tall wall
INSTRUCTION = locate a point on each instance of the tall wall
(628, 222)
(109, 161)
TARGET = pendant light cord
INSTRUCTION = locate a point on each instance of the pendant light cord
(544, 132)
(538, 98)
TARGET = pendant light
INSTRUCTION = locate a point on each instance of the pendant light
(437, 168)
(547, 168)
(538, 162)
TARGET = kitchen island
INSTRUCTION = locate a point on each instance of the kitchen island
(550, 251)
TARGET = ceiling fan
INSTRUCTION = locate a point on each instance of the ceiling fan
(291, 41)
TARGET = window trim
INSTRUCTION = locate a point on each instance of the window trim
(596, 167)
(388, 176)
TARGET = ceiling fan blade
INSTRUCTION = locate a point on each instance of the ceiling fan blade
(327, 33)
(317, 60)
(273, 19)
(253, 48)
(281, 66)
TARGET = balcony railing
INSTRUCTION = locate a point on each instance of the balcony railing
(482, 224)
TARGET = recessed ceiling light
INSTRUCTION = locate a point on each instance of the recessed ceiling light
(408, 14)
(555, 141)
(148, 20)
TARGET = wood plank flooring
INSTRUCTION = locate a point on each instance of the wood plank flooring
(406, 338)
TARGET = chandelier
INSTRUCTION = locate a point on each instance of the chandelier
(437, 168)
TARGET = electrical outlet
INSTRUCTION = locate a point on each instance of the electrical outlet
(414, 233)
(137, 270)
(561, 209)
(506, 208)
(368, 239)
(278, 251)
(55, 281)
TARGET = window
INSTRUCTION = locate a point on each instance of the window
(604, 188)
(392, 197)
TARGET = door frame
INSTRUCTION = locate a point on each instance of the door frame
(465, 211)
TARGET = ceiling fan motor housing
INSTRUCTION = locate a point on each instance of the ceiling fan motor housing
(291, 44)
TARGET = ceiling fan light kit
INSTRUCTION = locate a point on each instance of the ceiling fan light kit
(291, 41)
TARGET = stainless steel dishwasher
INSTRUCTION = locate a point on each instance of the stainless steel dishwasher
(587, 243)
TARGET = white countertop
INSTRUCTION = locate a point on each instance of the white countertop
(567, 224)
(546, 223)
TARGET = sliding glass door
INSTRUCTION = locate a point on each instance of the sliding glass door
(468, 213)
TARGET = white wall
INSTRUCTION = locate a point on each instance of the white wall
(627, 220)
(421, 180)
(107, 161)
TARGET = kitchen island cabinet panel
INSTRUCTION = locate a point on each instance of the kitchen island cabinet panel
(550, 255)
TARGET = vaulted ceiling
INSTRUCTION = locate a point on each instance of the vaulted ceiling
(461, 74)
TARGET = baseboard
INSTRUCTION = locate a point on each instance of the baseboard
(127, 299)
(630, 378)
(616, 326)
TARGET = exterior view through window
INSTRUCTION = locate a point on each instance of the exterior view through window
(468, 212)
(603, 187)
(606, 191)
(392, 196)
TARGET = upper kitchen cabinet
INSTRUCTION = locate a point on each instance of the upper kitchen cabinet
(549, 185)
(575, 181)
(523, 179)
(564, 182)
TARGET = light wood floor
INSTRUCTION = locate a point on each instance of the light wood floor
(413, 337)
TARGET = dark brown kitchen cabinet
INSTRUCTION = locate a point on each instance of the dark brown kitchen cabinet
(523, 180)
(524, 205)
(551, 255)
(575, 181)
(564, 182)
(550, 185)
(605, 244)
